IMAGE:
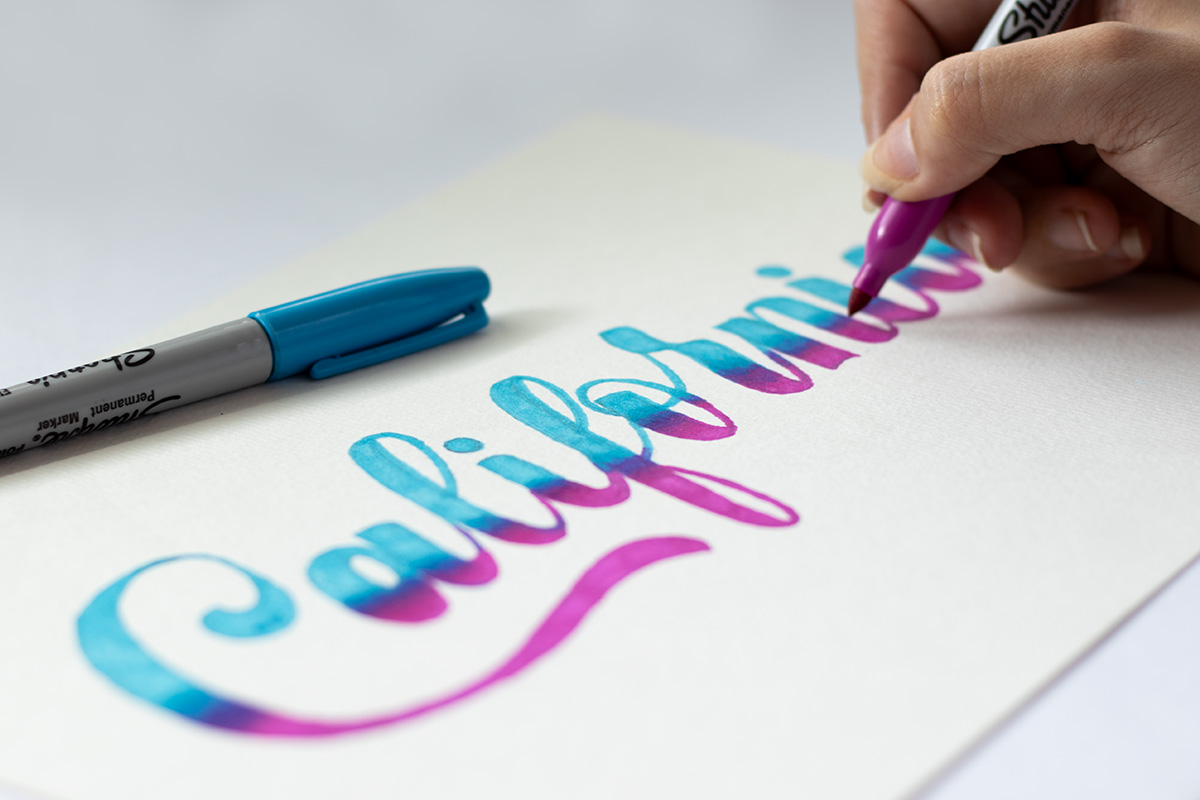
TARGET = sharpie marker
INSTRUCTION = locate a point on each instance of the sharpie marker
(901, 229)
(324, 335)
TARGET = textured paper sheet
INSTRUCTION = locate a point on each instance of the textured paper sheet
(671, 526)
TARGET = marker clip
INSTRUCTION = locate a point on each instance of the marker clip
(470, 321)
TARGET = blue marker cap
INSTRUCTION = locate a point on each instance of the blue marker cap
(374, 321)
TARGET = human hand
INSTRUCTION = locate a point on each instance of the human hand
(1121, 89)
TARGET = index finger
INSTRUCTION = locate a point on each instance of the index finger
(899, 40)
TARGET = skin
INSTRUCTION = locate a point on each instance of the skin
(1076, 156)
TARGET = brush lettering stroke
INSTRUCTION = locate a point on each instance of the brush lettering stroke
(118, 655)
(663, 408)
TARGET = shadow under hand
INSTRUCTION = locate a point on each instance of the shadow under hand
(1159, 298)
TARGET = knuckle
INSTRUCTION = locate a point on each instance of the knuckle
(1132, 111)
(955, 97)
(1115, 42)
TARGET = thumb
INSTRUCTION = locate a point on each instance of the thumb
(1078, 85)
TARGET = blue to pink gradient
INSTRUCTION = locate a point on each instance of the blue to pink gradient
(402, 464)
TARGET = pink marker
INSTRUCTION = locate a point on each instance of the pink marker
(901, 229)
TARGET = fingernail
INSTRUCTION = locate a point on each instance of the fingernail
(893, 152)
(968, 241)
(1131, 244)
(1069, 230)
(977, 251)
(869, 203)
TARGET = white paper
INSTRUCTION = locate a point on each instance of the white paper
(980, 497)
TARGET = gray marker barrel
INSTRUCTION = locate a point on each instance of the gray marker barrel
(113, 390)
(324, 335)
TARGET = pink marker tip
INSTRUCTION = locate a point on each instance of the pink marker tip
(858, 301)
(897, 236)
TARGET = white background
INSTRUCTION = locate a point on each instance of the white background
(156, 155)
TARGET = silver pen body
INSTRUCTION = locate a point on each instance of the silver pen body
(120, 388)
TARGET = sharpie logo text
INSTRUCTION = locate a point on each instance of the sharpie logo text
(1031, 20)
(87, 426)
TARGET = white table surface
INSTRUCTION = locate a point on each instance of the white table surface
(154, 155)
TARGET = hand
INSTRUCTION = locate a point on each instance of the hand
(1121, 89)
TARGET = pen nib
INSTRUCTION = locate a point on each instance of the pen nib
(858, 301)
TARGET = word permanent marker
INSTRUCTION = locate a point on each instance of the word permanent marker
(901, 229)
(324, 335)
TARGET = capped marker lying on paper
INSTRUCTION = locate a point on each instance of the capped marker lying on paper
(901, 229)
(324, 335)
